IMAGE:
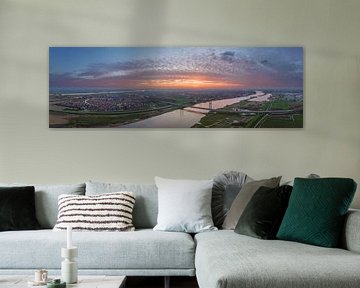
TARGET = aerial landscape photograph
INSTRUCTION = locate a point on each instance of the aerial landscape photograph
(175, 87)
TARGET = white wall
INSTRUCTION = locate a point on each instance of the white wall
(329, 143)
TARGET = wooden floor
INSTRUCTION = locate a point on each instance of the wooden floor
(158, 282)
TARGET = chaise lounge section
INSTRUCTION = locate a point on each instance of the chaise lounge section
(225, 259)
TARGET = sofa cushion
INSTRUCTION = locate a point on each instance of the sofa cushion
(143, 249)
(146, 205)
(46, 200)
(225, 259)
(226, 187)
(17, 208)
(317, 209)
(105, 212)
(263, 215)
(350, 239)
(243, 198)
(184, 205)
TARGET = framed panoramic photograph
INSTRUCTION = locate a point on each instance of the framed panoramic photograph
(176, 87)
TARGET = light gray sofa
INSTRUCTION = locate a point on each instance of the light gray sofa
(143, 252)
(220, 259)
(226, 259)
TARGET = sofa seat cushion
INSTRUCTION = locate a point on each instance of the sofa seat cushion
(226, 259)
(142, 249)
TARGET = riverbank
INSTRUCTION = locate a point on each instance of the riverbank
(190, 116)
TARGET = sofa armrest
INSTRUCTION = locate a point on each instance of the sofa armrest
(351, 234)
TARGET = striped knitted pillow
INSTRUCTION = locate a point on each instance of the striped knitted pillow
(105, 212)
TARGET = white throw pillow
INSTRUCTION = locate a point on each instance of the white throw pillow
(184, 205)
(105, 212)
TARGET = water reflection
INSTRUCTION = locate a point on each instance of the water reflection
(190, 116)
(174, 119)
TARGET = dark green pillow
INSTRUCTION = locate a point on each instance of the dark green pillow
(316, 211)
(17, 208)
(264, 212)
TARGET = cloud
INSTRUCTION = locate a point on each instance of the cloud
(101, 70)
(238, 65)
(227, 56)
(223, 63)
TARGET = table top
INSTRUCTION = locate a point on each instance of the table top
(84, 281)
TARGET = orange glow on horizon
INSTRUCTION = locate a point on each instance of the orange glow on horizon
(189, 83)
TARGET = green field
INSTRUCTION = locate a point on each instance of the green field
(79, 120)
(266, 121)
(218, 120)
(280, 105)
(234, 120)
(285, 121)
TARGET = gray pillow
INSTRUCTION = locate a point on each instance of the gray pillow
(146, 204)
(226, 187)
(310, 176)
(243, 198)
(46, 200)
(184, 205)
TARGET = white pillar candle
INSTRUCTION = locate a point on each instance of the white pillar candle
(69, 237)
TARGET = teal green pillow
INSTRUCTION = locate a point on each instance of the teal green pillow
(316, 211)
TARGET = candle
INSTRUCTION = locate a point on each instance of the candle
(69, 237)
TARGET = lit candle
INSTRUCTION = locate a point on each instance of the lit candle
(69, 237)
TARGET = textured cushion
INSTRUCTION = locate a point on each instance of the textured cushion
(106, 212)
(225, 259)
(17, 209)
(243, 198)
(143, 249)
(317, 210)
(146, 205)
(184, 205)
(46, 200)
(226, 187)
(263, 215)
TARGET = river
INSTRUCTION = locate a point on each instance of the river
(187, 118)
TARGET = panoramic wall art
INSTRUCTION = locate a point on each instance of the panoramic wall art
(176, 87)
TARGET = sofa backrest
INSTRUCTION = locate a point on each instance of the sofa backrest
(146, 203)
(46, 200)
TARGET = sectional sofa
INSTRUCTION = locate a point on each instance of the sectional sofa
(219, 259)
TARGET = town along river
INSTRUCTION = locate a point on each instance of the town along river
(181, 118)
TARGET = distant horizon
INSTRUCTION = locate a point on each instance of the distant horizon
(100, 89)
(182, 68)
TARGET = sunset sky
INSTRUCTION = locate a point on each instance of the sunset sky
(175, 68)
